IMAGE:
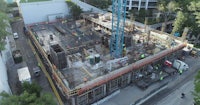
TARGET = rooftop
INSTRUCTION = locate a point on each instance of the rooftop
(23, 74)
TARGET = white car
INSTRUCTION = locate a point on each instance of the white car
(15, 35)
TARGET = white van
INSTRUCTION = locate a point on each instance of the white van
(180, 65)
(15, 35)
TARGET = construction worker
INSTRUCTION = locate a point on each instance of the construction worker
(156, 67)
(161, 72)
(161, 78)
(39, 65)
(180, 71)
(142, 56)
(182, 95)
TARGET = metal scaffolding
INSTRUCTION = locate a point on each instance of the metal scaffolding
(118, 23)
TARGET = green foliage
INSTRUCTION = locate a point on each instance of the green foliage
(12, 4)
(167, 9)
(191, 11)
(75, 10)
(162, 5)
(28, 97)
(3, 24)
(103, 4)
(195, 9)
(3, 6)
(32, 88)
(196, 92)
(142, 13)
(196, 98)
(178, 24)
(172, 6)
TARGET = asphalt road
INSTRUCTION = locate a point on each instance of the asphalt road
(175, 98)
(177, 86)
(28, 60)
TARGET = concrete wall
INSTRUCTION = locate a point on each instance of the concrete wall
(36, 12)
(5, 56)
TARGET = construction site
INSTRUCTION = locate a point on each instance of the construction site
(77, 55)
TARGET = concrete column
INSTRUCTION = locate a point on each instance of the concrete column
(163, 27)
(104, 89)
(146, 4)
(129, 78)
(139, 5)
(73, 101)
(130, 5)
(184, 33)
(146, 22)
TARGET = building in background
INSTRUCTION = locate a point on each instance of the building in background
(9, 1)
(141, 4)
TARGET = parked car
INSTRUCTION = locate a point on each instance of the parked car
(36, 71)
(15, 35)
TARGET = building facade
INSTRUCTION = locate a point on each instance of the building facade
(141, 4)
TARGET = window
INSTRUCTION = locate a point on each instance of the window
(99, 91)
(113, 84)
(143, 3)
(152, 4)
(128, 2)
(82, 100)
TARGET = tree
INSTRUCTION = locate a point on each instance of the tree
(190, 10)
(103, 4)
(178, 24)
(32, 88)
(3, 24)
(142, 13)
(75, 10)
(195, 9)
(196, 92)
(132, 14)
(26, 99)
(31, 95)
(3, 6)
(167, 9)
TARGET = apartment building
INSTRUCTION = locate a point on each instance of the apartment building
(141, 4)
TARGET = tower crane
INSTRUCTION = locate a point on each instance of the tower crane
(118, 23)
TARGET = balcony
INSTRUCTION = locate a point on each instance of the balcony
(152, 7)
(153, 0)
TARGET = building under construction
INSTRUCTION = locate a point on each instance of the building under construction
(76, 54)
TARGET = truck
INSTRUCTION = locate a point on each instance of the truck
(24, 75)
(17, 56)
(180, 65)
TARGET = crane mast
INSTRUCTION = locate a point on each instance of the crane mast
(118, 23)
